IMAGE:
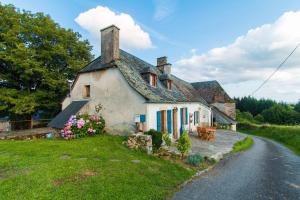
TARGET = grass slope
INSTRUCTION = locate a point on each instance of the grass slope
(243, 145)
(97, 167)
(287, 135)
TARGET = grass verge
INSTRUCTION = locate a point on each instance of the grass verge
(97, 167)
(243, 145)
(286, 135)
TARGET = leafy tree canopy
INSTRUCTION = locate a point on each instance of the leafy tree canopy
(37, 57)
(297, 107)
(266, 110)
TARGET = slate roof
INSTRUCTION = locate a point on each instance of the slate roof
(132, 67)
(209, 89)
(72, 109)
(221, 117)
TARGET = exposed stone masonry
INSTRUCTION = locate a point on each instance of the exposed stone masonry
(140, 141)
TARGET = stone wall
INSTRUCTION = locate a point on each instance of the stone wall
(5, 126)
(140, 141)
(120, 102)
(227, 108)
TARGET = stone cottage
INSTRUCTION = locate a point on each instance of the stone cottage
(134, 94)
(222, 105)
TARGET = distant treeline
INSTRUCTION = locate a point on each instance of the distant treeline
(267, 111)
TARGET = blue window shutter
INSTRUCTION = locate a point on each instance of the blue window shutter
(169, 119)
(142, 118)
(186, 116)
(181, 116)
(181, 121)
(195, 118)
(158, 121)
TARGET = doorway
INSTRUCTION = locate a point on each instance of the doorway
(174, 117)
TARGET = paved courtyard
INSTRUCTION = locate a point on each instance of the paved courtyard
(216, 149)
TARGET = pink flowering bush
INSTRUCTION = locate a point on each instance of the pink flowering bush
(83, 125)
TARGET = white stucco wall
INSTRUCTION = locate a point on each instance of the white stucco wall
(204, 116)
(121, 103)
(119, 100)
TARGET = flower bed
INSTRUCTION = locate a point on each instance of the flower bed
(83, 125)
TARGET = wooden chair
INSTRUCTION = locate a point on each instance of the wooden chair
(206, 133)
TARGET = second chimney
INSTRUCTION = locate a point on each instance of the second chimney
(163, 65)
(109, 44)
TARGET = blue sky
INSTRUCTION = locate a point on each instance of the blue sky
(200, 38)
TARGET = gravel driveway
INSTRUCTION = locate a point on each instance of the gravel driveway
(266, 171)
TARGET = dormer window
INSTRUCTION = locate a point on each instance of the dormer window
(153, 80)
(150, 76)
(166, 80)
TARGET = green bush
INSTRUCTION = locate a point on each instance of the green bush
(184, 143)
(259, 118)
(156, 138)
(194, 160)
(243, 144)
(167, 139)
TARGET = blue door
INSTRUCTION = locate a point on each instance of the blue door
(186, 116)
(181, 121)
(158, 121)
(169, 119)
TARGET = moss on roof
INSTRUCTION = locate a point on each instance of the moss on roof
(132, 67)
(209, 89)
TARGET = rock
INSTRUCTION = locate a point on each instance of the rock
(140, 141)
(136, 161)
(115, 160)
(65, 156)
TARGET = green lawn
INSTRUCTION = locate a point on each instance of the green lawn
(243, 145)
(97, 167)
(287, 135)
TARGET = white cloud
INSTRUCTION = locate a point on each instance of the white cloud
(131, 34)
(164, 8)
(252, 57)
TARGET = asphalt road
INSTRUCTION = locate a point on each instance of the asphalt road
(267, 171)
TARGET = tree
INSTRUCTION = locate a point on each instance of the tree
(297, 107)
(184, 143)
(37, 57)
(259, 118)
(253, 105)
(281, 114)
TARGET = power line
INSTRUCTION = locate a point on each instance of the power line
(279, 66)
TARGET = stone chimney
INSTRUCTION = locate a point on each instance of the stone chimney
(109, 44)
(163, 65)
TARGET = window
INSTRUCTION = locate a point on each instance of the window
(169, 84)
(196, 117)
(153, 80)
(87, 91)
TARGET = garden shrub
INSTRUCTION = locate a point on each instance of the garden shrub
(156, 138)
(83, 125)
(194, 160)
(184, 143)
(167, 139)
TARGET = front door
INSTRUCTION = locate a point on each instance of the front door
(163, 121)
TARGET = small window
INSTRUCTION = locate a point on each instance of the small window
(153, 80)
(87, 91)
(169, 84)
